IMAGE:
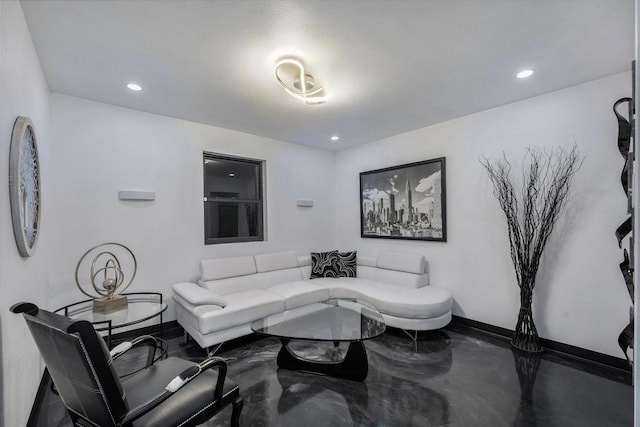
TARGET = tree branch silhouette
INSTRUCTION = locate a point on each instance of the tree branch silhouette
(531, 216)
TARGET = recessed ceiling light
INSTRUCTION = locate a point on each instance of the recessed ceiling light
(134, 86)
(524, 74)
(231, 174)
(335, 138)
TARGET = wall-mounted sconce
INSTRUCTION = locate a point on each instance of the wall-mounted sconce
(136, 195)
(304, 203)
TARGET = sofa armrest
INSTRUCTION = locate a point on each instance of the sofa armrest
(197, 295)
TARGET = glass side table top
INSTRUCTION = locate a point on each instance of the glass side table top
(141, 306)
(331, 320)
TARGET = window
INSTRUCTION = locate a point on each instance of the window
(233, 206)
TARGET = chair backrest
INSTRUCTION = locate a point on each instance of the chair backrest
(79, 364)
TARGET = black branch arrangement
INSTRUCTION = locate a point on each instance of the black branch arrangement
(531, 216)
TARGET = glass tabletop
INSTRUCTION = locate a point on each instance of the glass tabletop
(141, 307)
(331, 320)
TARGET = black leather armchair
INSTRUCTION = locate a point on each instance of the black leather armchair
(170, 392)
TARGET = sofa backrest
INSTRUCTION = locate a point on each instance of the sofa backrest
(393, 277)
(222, 268)
(276, 261)
(365, 260)
(400, 261)
(250, 282)
(304, 264)
(396, 268)
(237, 274)
(230, 275)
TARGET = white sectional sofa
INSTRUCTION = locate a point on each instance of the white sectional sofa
(233, 292)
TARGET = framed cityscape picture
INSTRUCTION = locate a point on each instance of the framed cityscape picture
(405, 202)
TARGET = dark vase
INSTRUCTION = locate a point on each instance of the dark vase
(526, 337)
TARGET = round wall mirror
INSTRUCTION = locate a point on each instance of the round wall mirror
(24, 185)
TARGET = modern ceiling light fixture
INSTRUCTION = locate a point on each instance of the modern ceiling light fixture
(293, 78)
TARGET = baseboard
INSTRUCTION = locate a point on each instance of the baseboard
(565, 349)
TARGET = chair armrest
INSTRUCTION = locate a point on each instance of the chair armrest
(178, 382)
(189, 374)
(147, 340)
(222, 373)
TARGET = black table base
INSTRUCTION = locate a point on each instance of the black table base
(354, 366)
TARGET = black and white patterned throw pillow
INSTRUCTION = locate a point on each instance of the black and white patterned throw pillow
(324, 264)
(347, 264)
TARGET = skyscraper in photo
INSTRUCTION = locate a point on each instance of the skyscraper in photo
(409, 201)
(392, 207)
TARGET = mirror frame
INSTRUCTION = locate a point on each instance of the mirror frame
(24, 186)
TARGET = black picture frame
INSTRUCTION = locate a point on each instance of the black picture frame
(405, 202)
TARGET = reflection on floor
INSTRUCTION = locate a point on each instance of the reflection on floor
(453, 377)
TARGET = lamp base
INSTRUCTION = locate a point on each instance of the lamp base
(106, 305)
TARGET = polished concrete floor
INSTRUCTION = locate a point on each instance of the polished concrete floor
(453, 377)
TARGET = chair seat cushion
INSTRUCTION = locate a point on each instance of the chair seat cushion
(193, 403)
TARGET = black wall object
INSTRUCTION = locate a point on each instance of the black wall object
(625, 138)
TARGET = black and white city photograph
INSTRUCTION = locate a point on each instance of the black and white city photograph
(404, 202)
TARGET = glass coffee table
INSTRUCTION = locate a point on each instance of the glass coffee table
(333, 320)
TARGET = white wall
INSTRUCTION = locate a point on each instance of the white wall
(580, 297)
(99, 149)
(23, 92)
(90, 151)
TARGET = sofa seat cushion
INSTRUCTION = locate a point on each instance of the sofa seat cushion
(421, 303)
(297, 294)
(242, 308)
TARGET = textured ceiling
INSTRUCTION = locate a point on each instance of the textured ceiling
(388, 66)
